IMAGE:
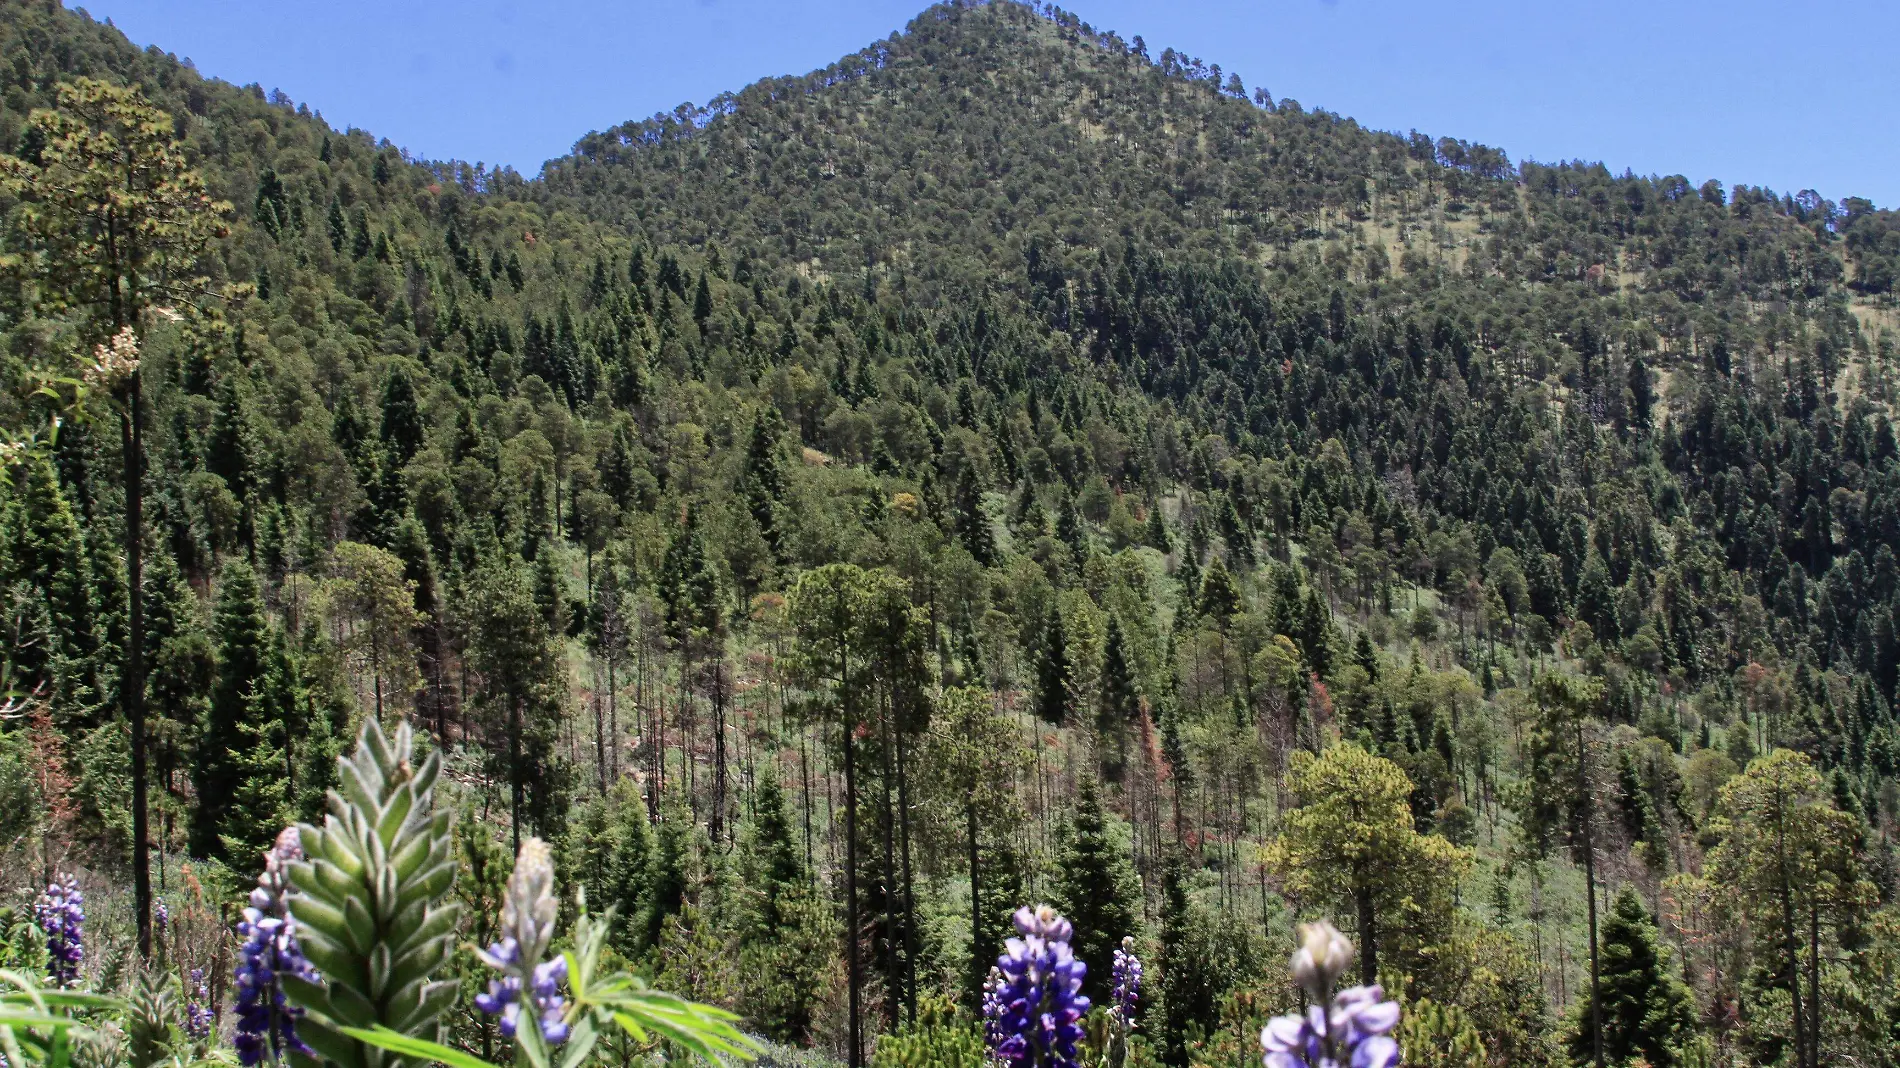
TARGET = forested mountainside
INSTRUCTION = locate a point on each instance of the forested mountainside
(1003, 467)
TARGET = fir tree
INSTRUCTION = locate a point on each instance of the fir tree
(763, 482)
(1053, 672)
(667, 874)
(1119, 709)
(220, 764)
(259, 806)
(1096, 888)
(1648, 1013)
(401, 428)
(45, 560)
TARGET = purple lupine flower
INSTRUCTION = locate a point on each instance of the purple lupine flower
(266, 1021)
(1352, 1029)
(61, 915)
(1040, 1001)
(527, 923)
(1125, 993)
(993, 1012)
(198, 1010)
(161, 916)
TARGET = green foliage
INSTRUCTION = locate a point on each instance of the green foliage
(940, 1037)
(227, 756)
(1439, 1036)
(1199, 963)
(600, 998)
(372, 903)
(1647, 1011)
(1095, 887)
(1350, 849)
(1403, 400)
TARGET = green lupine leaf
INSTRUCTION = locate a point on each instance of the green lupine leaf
(356, 793)
(427, 774)
(411, 856)
(393, 817)
(343, 858)
(437, 880)
(315, 913)
(420, 1048)
(11, 1017)
(360, 927)
(351, 1005)
(581, 1040)
(438, 926)
(380, 969)
(328, 957)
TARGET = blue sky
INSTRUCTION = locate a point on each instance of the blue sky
(1790, 96)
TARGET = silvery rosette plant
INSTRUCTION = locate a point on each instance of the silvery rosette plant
(369, 899)
(1349, 1029)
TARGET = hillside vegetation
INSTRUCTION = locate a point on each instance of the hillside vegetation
(1006, 466)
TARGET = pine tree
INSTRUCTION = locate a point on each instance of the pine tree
(1219, 599)
(1191, 982)
(689, 585)
(775, 864)
(1596, 599)
(702, 301)
(334, 225)
(1647, 1011)
(182, 665)
(613, 847)
(360, 242)
(1096, 888)
(972, 522)
(1350, 849)
(232, 448)
(522, 685)
(1157, 530)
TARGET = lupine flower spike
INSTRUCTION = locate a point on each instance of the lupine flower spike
(1038, 999)
(198, 1009)
(527, 924)
(993, 1012)
(1352, 1029)
(1125, 994)
(61, 915)
(266, 1021)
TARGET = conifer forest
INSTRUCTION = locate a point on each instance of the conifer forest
(1015, 548)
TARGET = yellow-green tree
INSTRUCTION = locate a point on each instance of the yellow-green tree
(112, 220)
(972, 757)
(371, 607)
(1349, 848)
(1789, 862)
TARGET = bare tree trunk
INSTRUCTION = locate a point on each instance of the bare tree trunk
(132, 687)
(1590, 888)
(854, 977)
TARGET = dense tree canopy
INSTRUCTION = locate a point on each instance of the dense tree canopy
(1004, 466)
